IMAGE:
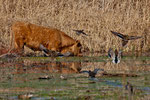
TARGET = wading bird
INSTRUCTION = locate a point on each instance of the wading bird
(129, 87)
(125, 38)
(93, 73)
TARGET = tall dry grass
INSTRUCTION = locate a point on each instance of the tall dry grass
(96, 17)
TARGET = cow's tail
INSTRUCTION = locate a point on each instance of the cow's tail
(11, 47)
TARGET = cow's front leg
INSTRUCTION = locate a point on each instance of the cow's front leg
(19, 47)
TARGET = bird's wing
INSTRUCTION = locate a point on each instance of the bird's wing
(97, 69)
(118, 34)
(84, 71)
(42, 48)
(113, 55)
(75, 30)
(134, 37)
(59, 54)
(119, 54)
(124, 42)
(83, 33)
(78, 30)
(110, 52)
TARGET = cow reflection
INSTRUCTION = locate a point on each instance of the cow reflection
(52, 67)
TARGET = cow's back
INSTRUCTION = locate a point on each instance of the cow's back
(33, 35)
(34, 32)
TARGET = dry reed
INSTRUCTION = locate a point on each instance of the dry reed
(96, 17)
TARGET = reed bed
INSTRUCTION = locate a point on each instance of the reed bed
(96, 17)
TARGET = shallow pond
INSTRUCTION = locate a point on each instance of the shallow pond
(45, 78)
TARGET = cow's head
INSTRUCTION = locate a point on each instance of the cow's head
(75, 49)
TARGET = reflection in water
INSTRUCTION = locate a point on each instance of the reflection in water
(125, 66)
(58, 86)
(52, 67)
(115, 84)
(23, 97)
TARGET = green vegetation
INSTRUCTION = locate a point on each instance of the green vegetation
(77, 86)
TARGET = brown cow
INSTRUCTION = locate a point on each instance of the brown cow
(53, 39)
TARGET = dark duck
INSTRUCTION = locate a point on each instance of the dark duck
(93, 73)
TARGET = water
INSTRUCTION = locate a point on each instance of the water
(59, 78)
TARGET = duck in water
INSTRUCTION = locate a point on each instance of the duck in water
(114, 55)
(129, 87)
(93, 73)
